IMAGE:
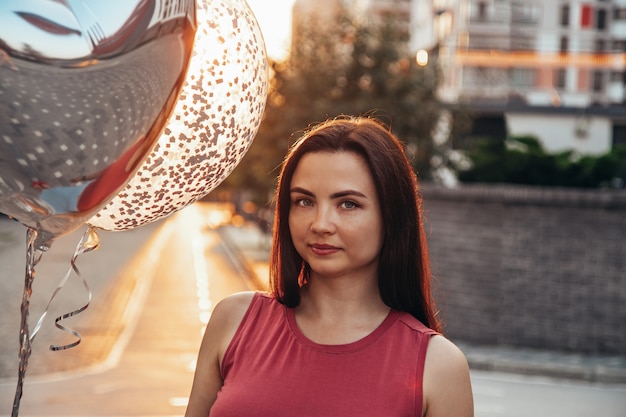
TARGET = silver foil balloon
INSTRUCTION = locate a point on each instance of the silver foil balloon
(214, 122)
(86, 87)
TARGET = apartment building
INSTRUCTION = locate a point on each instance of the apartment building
(553, 69)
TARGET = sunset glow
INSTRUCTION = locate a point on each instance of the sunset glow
(275, 21)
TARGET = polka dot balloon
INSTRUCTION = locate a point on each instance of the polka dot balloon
(214, 122)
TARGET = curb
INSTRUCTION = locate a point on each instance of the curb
(589, 368)
(237, 258)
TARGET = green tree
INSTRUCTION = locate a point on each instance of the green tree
(345, 67)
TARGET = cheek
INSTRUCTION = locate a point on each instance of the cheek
(373, 239)
(292, 223)
(381, 235)
(295, 228)
(372, 236)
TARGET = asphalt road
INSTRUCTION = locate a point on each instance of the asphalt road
(100, 269)
(153, 290)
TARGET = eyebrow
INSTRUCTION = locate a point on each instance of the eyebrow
(339, 194)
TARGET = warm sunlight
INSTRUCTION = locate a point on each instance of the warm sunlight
(275, 21)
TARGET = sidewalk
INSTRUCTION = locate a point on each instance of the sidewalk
(251, 248)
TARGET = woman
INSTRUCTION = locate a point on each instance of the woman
(349, 328)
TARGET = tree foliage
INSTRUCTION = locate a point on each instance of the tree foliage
(335, 68)
(523, 160)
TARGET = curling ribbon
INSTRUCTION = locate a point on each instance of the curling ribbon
(89, 241)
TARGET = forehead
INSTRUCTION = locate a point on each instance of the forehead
(336, 169)
(332, 160)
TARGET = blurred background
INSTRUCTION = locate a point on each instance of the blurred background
(514, 116)
(516, 91)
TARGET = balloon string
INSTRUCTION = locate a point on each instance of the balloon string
(89, 241)
(33, 256)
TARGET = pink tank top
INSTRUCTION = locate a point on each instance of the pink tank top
(271, 369)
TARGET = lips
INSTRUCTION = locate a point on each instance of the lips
(321, 249)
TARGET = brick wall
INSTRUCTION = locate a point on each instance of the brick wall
(530, 267)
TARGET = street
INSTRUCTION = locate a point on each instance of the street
(508, 395)
(150, 368)
(145, 332)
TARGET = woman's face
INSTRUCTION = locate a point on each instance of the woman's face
(335, 217)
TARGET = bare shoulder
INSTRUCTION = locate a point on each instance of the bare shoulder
(447, 386)
(223, 324)
(228, 313)
(234, 306)
(445, 355)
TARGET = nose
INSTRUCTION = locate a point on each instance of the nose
(323, 221)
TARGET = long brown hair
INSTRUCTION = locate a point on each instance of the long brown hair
(403, 272)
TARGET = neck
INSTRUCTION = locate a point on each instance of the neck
(334, 299)
(332, 316)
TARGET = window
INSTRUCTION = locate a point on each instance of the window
(598, 81)
(619, 13)
(617, 77)
(523, 77)
(601, 19)
(482, 10)
(586, 14)
(619, 134)
(600, 45)
(559, 78)
(565, 15)
(619, 45)
(564, 46)
(525, 13)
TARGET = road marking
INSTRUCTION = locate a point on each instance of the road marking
(179, 401)
(202, 279)
(545, 381)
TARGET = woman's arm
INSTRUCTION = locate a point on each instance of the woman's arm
(447, 385)
(224, 322)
